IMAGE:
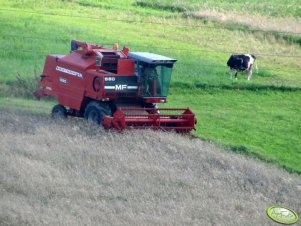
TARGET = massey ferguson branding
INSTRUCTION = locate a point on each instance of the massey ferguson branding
(68, 71)
(121, 84)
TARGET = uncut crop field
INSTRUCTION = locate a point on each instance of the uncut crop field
(72, 173)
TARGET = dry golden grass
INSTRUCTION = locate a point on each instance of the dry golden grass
(72, 173)
(255, 21)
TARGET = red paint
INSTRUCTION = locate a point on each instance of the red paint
(84, 74)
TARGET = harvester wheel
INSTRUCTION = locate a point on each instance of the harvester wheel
(95, 111)
(59, 112)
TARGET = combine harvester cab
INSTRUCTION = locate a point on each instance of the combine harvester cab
(118, 89)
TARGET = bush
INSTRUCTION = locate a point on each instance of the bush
(23, 87)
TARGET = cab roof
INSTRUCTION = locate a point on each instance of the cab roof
(151, 58)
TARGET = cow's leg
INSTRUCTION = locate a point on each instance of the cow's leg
(230, 72)
(236, 75)
(256, 68)
(250, 74)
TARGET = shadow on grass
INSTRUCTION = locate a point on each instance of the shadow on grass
(160, 6)
(248, 87)
(93, 4)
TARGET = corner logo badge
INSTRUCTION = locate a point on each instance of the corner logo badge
(282, 215)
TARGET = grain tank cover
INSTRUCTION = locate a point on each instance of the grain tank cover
(151, 58)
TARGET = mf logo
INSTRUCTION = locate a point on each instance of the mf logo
(120, 87)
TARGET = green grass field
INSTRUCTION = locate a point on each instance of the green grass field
(260, 117)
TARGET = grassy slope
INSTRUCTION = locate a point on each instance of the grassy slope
(265, 130)
(223, 113)
(68, 173)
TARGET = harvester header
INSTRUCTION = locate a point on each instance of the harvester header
(115, 88)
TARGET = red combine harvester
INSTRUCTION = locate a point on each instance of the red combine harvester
(117, 89)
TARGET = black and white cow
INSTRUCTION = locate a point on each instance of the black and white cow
(241, 63)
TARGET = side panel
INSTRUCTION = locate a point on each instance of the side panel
(126, 67)
(49, 75)
(69, 84)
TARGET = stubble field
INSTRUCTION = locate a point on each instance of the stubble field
(71, 173)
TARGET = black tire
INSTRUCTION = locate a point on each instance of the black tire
(59, 112)
(95, 111)
(150, 105)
